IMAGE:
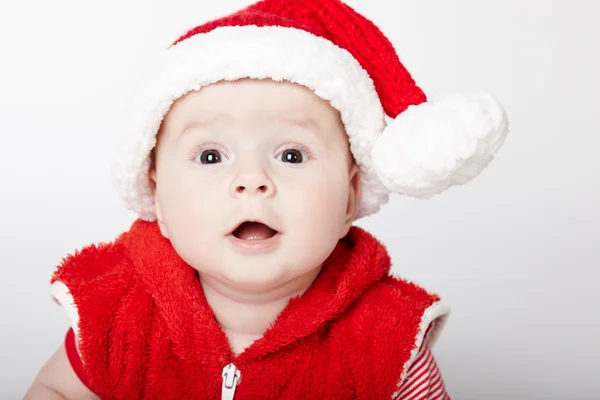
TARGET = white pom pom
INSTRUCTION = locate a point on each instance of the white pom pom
(444, 142)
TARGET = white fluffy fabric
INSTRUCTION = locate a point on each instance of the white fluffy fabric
(63, 296)
(231, 53)
(444, 142)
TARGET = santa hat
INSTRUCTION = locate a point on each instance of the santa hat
(403, 142)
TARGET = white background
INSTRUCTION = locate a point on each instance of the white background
(516, 253)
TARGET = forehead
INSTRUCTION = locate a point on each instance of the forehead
(251, 100)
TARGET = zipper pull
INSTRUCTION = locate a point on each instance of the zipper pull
(231, 378)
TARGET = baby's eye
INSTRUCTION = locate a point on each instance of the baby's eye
(292, 156)
(210, 156)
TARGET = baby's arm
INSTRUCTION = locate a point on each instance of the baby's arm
(57, 381)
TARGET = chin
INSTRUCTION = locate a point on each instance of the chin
(264, 277)
(252, 279)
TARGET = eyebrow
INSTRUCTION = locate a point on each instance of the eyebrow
(306, 123)
(207, 122)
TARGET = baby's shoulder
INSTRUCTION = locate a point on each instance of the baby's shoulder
(398, 294)
(91, 263)
(397, 304)
(91, 281)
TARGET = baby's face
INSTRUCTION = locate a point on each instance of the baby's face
(254, 182)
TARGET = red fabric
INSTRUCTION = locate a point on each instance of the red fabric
(147, 331)
(343, 26)
(73, 357)
(423, 380)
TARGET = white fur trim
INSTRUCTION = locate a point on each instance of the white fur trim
(432, 146)
(63, 296)
(231, 53)
(433, 320)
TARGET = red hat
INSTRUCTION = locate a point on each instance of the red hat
(403, 142)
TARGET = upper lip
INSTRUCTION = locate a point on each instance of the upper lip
(258, 221)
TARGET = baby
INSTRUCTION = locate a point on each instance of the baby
(257, 141)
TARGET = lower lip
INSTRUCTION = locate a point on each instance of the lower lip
(255, 246)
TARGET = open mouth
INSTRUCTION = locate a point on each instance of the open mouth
(254, 231)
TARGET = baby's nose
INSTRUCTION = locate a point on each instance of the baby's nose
(262, 189)
(253, 185)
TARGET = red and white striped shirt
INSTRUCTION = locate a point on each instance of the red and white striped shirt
(423, 380)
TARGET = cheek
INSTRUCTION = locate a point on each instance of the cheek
(188, 196)
(318, 202)
(192, 210)
(315, 217)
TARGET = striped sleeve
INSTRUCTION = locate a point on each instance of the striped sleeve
(423, 380)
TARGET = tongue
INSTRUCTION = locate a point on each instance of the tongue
(254, 231)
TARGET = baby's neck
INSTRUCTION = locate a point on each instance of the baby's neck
(245, 316)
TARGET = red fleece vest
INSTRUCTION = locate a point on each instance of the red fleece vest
(147, 332)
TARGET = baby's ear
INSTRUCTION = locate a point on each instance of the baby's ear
(159, 220)
(354, 192)
(152, 178)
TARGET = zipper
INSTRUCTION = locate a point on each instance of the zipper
(231, 378)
